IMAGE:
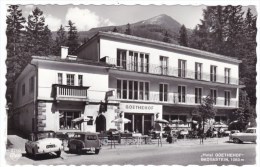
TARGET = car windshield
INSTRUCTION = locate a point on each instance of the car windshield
(44, 135)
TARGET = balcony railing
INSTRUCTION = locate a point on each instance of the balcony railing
(173, 98)
(170, 71)
(69, 92)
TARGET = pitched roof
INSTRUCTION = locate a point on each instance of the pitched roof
(163, 45)
(75, 61)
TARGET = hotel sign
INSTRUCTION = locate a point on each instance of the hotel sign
(140, 108)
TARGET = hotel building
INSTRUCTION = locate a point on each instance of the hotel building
(141, 78)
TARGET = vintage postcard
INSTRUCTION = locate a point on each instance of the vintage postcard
(119, 83)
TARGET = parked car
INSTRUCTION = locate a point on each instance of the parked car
(43, 142)
(248, 136)
(226, 132)
(84, 141)
(234, 131)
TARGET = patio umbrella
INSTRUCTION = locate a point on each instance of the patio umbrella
(177, 121)
(121, 120)
(81, 119)
(163, 121)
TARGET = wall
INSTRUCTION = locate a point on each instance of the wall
(172, 84)
(92, 77)
(19, 99)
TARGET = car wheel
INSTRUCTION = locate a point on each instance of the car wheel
(58, 153)
(27, 152)
(34, 155)
(97, 151)
(236, 140)
(70, 150)
(79, 150)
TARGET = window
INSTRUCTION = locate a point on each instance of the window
(130, 90)
(164, 65)
(136, 90)
(70, 79)
(163, 92)
(227, 75)
(146, 94)
(213, 95)
(222, 119)
(31, 84)
(213, 73)
(198, 70)
(227, 98)
(182, 94)
(119, 89)
(80, 80)
(121, 58)
(198, 94)
(182, 68)
(146, 63)
(66, 118)
(23, 89)
(179, 117)
(124, 89)
(141, 90)
(60, 78)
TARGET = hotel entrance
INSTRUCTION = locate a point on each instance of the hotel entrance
(140, 123)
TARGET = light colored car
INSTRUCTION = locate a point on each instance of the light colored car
(248, 136)
(43, 142)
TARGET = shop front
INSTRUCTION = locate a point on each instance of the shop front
(180, 117)
(141, 116)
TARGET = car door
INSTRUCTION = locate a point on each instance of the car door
(250, 135)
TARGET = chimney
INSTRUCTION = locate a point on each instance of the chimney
(64, 52)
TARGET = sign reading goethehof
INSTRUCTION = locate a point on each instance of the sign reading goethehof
(140, 108)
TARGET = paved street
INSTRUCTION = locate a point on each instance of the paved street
(183, 152)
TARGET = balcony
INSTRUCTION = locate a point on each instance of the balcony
(70, 93)
(174, 99)
(171, 71)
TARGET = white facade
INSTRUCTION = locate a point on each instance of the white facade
(149, 80)
(156, 63)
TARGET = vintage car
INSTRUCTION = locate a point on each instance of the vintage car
(43, 142)
(248, 136)
(84, 141)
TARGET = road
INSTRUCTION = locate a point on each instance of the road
(168, 154)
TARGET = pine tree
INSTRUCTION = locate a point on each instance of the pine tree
(72, 42)
(61, 40)
(166, 37)
(47, 41)
(128, 30)
(14, 47)
(183, 38)
(248, 72)
(34, 34)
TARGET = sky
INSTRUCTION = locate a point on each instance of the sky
(86, 17)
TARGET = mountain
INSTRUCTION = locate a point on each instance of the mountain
(153, 28)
